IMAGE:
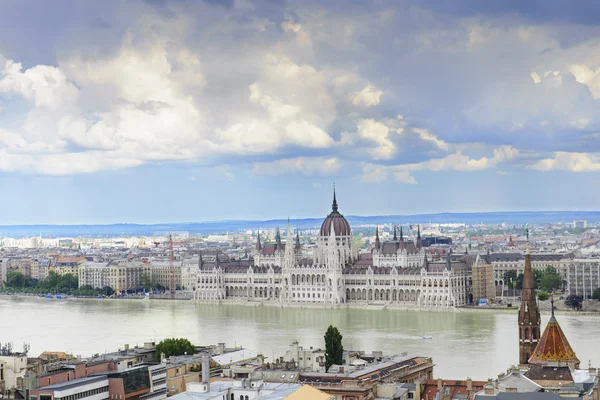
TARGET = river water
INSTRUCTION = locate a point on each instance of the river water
(476, 344)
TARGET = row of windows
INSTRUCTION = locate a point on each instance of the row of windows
(85, 394)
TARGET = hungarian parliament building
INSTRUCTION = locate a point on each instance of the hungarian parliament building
(335, 274)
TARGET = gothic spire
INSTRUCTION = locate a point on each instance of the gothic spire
(258, 246)
(401, 235)
(529, 314)
(334, 206)
(297, 240)
(395, 236)
(419, 237)
(277, 239)
(377, 243)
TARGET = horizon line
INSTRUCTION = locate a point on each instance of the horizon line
(294, 219)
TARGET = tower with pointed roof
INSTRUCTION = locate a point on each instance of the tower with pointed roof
(419, 245)
(529, 314)
(553, 348)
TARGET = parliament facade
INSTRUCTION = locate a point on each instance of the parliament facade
(396, 272)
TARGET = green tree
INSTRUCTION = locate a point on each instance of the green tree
(334, 351)
(175, 347)
(550, 282)
(596, 294)
(574, 301)
(542, 296)
(147, 282)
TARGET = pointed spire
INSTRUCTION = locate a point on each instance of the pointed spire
(277, 239)
(334, 206)
(419, 237)
(377, 243)
(527, 240)
(552, 319)
(258, 245)
(401, 234)
(395, 236)
(449, 260)
(297, 240)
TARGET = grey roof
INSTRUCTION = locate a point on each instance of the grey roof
(519, 382)
(521, 396)
(75, 383)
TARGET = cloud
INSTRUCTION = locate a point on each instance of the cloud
(369, 96)
(574, 162)
(44, 85)
(378, 133)
(404, 177)
(428, 136)
(373, 173)
(309, 166)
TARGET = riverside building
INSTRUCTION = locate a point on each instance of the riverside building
(396, 272)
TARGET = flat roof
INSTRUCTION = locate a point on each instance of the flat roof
(75, 383)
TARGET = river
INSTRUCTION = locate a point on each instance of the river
(476, 344)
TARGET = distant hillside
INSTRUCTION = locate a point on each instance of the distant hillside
(521, 217)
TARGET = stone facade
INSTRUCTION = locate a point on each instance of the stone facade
(394, 273)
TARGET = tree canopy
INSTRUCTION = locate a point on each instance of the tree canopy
(334, 351)
(175, 347)
(542, 296)
(574, 301)
(54, 283)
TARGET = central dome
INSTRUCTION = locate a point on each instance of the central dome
(340, 225)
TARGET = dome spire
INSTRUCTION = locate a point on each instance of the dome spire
(334, 206)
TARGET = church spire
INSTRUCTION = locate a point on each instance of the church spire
(395, 236)
(553, 347)
(297, 240)
(401, 235)
(529, 315)
(258, 246)
(334, 205)
(377, 243)
(419, 237)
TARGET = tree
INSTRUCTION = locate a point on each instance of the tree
(543, 296)
(334, 351)
(550, 279)
(147, 282)
(596, 294)
(175, 347)
(574, 301)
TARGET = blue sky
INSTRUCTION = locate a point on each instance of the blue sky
(174, 110)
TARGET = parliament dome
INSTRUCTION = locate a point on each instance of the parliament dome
(340, 225)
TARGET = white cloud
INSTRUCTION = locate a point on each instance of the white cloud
(455, 162)
(404, 177)
(369, 96)
(44, 85)
(428, 136)
(373, 173)
(566, 161)
(377, 132)
(309, 166)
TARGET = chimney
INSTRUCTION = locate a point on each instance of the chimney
(439, 383)
(206, 372)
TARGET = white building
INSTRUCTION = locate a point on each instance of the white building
(13, 367)
(396, 272)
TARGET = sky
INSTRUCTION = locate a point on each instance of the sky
(152, 111)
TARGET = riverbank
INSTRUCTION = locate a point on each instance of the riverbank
(544, 308)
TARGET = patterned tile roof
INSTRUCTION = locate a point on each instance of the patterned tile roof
(553, 346)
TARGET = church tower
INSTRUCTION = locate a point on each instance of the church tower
(529, 315)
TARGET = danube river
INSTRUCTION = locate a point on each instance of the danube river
(476, 344)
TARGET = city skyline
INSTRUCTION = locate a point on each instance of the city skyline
(167, 111)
